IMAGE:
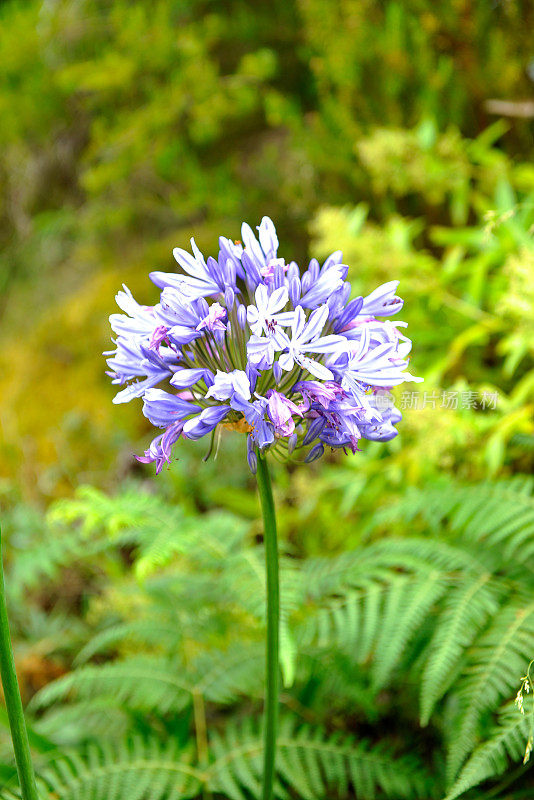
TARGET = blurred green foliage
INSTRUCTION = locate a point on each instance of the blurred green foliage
(467, 284)
(127, 127)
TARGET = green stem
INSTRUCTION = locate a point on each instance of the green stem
(273, 624)
(15, 713)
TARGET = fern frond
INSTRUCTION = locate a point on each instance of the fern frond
(94, 510)
(146, 632)
(348, 623)
(405, 607)
(325, 576)
(161, 531)
(311, 764)
(144, 682)
(244, 582)
(451, 614)
(416, 554)
(223, 677)
(206, 539)
(38, 554)
(340, 687)
(466, 609)
(506, 743)
(97, 718)
(380, 618)
(154, 683)
(137, 770)
(490, 674)
(500, 514)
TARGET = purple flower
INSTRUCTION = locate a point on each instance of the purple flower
(316, 452)
(230, 385)
(329, 280)
(363, 365)
(184, 378)
(383, 430)
(174, 311)
(280, 410)
(342, 424)
(205, 422)
(261, 351)
(383, 302)
(162, 408)
(348, 315)
(248, 340)
(270, 270)
(160, 447)
(159, 335)
(262, 251)
(213, 321)
(199, 280)
(305, 339)
(315, 391)
(128, 362)
(263, 316)
(138, 320)
(261, 428)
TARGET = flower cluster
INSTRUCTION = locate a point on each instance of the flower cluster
(249, 342)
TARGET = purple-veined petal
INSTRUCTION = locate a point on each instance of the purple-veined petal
(383, 302)
(314, 326)
(316, 452)
(205, 422)
(286, 361)
(227, 384)
(184, 378)
(329, 281)
(268, 238)
(138, 388)
(162, 408)
(315, 368)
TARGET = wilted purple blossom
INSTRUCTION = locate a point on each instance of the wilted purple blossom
(248, 341)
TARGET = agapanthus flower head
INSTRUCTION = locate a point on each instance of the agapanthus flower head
(250, 342)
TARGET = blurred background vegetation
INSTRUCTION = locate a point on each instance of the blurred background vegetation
(398, 131)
